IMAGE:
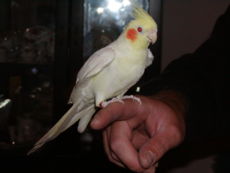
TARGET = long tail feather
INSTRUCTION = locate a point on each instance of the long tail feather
(84, 121)
(67, 120)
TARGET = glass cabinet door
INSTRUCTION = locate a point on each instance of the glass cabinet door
(27, 38)
(104, 20)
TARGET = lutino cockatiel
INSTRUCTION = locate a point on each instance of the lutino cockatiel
(108, 73)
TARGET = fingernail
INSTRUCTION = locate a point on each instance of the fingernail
(147, 159)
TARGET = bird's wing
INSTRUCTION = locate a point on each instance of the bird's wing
(150, 58)
(96, 63)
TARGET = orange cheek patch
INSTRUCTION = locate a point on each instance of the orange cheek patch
(131, 34)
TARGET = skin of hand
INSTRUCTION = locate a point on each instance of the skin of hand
(137, 135)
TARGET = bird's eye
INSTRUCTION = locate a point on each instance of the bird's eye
(139, 29)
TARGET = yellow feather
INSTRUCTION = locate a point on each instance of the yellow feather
(142, 16)
(144, 20)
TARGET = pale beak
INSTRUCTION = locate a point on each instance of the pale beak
(152, 36)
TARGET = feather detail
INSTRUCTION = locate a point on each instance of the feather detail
(150, 58)
(68, 119)
(142, 16)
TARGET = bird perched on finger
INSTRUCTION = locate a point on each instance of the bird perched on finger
(108, 73)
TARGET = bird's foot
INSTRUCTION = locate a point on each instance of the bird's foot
(120, 100)
(132, 97)
(115, 99)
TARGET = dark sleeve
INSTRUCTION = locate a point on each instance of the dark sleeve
(202, 78)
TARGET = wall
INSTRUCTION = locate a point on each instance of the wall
(186, 24)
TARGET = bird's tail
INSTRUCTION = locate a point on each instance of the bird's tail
(67, 120)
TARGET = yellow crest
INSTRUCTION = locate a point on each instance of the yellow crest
(141, 15)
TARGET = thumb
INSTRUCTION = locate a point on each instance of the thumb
(152, 151)
(164, 139)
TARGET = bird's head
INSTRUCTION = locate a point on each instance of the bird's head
(142, 30)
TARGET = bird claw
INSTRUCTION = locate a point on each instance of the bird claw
(120, 100)
(132, 97)
(106, 103)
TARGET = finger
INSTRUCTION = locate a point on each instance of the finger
(112, 157)
(115, 112)
(106, 143)
(121, 145)
(139, 138)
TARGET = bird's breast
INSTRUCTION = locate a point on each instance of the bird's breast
(120, 75)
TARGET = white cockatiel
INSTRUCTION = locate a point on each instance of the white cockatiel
(108, 73)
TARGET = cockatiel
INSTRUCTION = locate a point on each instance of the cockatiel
(108, 73)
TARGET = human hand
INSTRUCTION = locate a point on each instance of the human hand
(137, 135)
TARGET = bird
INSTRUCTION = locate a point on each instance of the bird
(108, 74)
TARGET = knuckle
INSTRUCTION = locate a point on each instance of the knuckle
(159, 149)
